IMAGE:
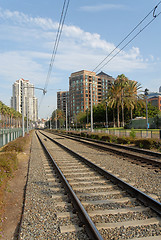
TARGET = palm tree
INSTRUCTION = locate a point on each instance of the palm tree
(122, 81)
(113, 99)
(132, 95)
(4, 115)
(7, 115)
(123, 93)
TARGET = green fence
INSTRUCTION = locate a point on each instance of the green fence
(9, 134)
(138, 133)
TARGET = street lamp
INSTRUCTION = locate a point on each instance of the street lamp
(66, 115)
(87, 117)
(146, 97)
(23, 87)
(56, 126)
(50, 120)
(106, 116)
(91, 108)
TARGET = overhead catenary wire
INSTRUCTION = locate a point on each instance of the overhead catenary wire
(60, 28)
(57, 40)
(154, 16)
(128, 43)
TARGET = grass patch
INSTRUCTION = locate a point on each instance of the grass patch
(18, 145)
(9, 163)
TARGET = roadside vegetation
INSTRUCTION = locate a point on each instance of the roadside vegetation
(9, 163)
(124, 101)
(146, 143)
(9, 117)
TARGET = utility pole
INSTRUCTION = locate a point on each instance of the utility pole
(91, 108)
(50, 122)
(23, 123)
(147, 124)
(106, 116)
(23, 127)
(27, 113)
(87, 116)
(56, 119)
(66, 115)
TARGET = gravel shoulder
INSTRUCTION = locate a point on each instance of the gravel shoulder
(14, 197)
(147, 180)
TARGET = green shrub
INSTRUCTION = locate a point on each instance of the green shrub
(144, 143)
(17, 145)
(122, 140)
(8, 163)
(105, 137)
(132, 133)
(113, 138)
(83, 134)
(141, 143)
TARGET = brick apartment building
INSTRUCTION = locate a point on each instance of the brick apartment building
(81, 84)
(155, 100)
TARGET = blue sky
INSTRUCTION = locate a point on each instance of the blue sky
(91, 31)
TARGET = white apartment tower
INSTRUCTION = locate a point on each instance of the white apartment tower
(30, 101)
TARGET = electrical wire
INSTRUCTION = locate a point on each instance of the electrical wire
(154, 16)
(57, 40)
(60, 28)
(128, 43)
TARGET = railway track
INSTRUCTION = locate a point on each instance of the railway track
(108, 207)
(135, 155)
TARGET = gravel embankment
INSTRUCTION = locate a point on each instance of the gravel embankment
(40, 212)
(105, 160)
(142, 178)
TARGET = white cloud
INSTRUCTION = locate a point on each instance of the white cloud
(102, 7)
(15, 65)
(77, 47)
(30, 44)
(21, 18)
(152, 57)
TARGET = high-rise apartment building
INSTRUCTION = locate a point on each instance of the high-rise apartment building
(82, 84)
(160, 89)
(30, 101)
(63, 101)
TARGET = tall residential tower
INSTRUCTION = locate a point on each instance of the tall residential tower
(82, 85)
(30, 101)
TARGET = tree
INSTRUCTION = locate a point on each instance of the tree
(114, 100)
(140, 111)
(124, 93)
(81, 118)
(132, 96)
(60, 117)
(7, 115)
(99, 112)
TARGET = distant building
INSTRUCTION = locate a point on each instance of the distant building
(104, 82)
(30, 101)
(81, 84)
(63, 101)
(160, 89)
(155, 99)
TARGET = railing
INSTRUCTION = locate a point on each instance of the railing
(139, 133)
(127, 132)
(9, 134)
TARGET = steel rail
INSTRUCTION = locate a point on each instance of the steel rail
(90, 227)
(134, 192)
(94, 143)
(134, 149)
